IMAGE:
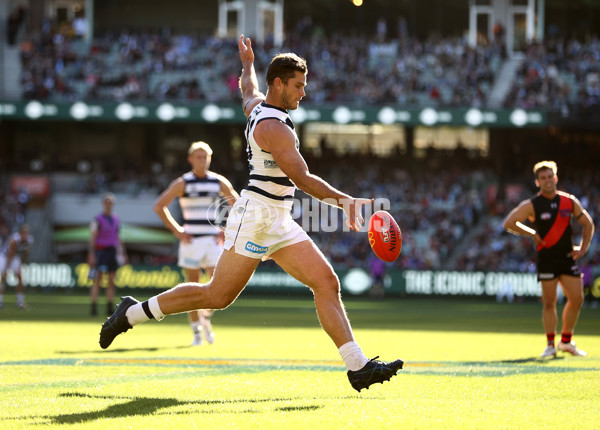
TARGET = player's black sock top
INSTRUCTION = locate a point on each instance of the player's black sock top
(146, 308)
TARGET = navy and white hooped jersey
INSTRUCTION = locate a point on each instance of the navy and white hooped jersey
(266, 178)
(200, 204)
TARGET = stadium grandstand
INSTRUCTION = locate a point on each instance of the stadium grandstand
(443, 117)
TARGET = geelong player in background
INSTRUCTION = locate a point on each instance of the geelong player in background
(105, 253)
(551, 212)
(14, 254)
(200, 239)
(260, 224)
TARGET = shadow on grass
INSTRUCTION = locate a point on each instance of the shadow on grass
(146, 406)
(299, 408)
(537, 360)
(119, 350)
(139, 406)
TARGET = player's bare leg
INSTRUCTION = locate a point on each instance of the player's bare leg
(193, 275)
(110, 293)
(94, 293)
(305, 262)
(205, 315)
(549, 315)
(232, 273)
(573, 289)
(20, 292)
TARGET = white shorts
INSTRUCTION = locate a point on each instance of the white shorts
(256, 229)
(15, 264)
(200, 253)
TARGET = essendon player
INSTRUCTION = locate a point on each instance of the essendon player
(551, 212)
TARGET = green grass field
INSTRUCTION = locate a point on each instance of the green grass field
(469, 364)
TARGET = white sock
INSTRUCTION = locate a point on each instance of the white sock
(1, 298)
(20, 298)
(155, 308)
(136, 314)
(195, 326)
(353, 357)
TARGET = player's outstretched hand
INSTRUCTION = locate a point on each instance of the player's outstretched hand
(246, 52)
(353, 211)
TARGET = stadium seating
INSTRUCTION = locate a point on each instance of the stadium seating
(556, 74)
(447, 217)
(437, 71)
(153, 66)
(437, 211)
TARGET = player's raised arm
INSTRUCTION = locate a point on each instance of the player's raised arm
(251, 95)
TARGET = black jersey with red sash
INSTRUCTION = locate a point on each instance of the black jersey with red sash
(553, 224)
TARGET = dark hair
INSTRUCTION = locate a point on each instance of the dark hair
(284, 66)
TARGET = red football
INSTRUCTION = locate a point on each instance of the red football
(385, 236)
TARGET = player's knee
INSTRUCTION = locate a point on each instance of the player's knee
(220, 302)
(217, 299)
(577, 299)
(328, 283)
(549, 303)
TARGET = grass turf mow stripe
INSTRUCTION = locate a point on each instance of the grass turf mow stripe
(492, 369)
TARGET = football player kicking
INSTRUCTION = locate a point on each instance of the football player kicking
(260, 224)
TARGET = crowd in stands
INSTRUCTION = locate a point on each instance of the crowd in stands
(452, 218)
(450, 210)
(158, 65)
(491, 247)
(443, 206)
(434, 201)
(556, 74)
(183, 68)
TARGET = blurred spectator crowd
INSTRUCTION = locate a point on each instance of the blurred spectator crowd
(450, 208)
(558, 73)
(158, 65)
(450, 211)
(161, 66)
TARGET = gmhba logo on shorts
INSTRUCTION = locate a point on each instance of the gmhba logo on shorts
(257, 249)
